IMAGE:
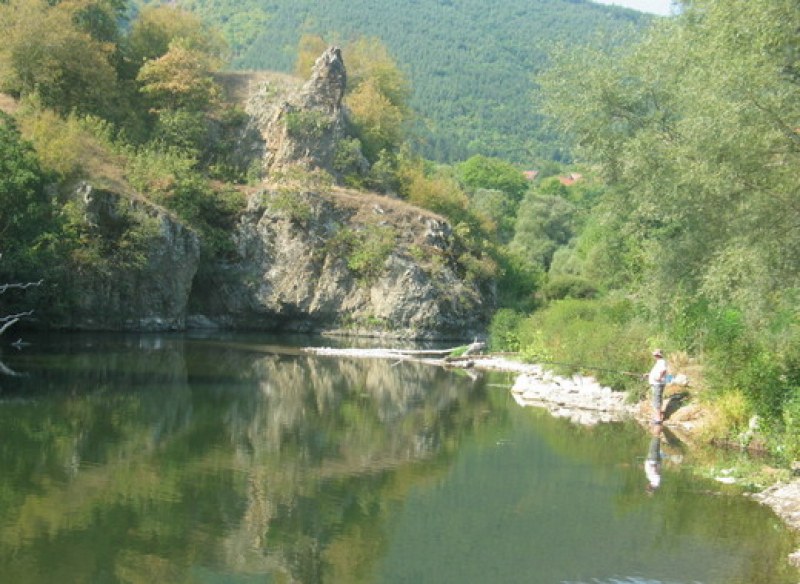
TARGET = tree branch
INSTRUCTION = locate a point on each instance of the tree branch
(6, 370)
(20, 286)
(7, 322)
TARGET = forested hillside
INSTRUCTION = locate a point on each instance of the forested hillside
(470, 62)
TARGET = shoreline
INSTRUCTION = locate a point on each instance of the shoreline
(583, 401)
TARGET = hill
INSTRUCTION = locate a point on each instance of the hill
(470, 63)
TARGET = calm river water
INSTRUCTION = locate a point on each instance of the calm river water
(148, 459)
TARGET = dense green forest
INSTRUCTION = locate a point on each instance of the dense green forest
(677, 226)
(470, 63)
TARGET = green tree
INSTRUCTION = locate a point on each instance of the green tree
(180, 79)
(24, 205)
(696, 131)
(544, 223)
(483, 172)
(158, 26)
(48, 51)
(377, 97)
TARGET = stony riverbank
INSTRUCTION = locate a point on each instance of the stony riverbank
(584, 401)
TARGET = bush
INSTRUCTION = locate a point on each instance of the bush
(604, 338)
(504, 330)
(290, 203)
(560, 287)
(307, 125)
(366, 250)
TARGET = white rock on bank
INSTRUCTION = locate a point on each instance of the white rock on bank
(579, 398)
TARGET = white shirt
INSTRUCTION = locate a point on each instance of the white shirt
(658, 374)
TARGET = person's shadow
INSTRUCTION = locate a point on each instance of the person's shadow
(674, 403)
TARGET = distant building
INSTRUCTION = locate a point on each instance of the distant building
(570, 179)
(530, 174)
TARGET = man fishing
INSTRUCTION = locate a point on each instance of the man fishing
(658, 379)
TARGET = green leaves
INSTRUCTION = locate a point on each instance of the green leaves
(24, 206)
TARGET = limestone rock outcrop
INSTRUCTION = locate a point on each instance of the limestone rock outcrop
(308, 256)
(306, 128)
(344, 262)
(146, 292)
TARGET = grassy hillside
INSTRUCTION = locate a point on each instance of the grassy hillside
(470, 62)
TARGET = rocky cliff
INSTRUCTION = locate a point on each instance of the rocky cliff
(312, 256)
(326, 259)
(144, 283)
(308, 254)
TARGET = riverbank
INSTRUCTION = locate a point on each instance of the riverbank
(584, 401)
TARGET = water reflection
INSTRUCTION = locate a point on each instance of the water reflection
(166, 459)
(151, 456)
(652, 464)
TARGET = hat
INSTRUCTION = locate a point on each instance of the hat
(657, 353)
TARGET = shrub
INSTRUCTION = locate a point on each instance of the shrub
(603, 337)
(306, 125)
(365, 250)
(504, 330)
(290, 203)
(566, 286)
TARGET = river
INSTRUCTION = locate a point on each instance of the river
(236, 459)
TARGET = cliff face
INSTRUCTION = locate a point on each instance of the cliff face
(310, 256)
(346, 262)
(146, 291)
(315, 257)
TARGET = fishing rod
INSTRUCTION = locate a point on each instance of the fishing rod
(581, 366)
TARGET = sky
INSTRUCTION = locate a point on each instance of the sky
(662, 7)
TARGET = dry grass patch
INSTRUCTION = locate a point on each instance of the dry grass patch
(8, 104)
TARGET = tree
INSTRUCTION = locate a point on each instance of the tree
(483, 172)
(46, 50)
(377, 92)
(159, 26)
(696, 131)
(24, 205)
(544, 223)
(180, 79)
(24, 210)
(694, 128)
(181, 91)
(309, 49)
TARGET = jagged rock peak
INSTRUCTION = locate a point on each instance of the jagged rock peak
(307, 127)
(328, 81)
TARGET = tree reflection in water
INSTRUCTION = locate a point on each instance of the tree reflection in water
(158, 459)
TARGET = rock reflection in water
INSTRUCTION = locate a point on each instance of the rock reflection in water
(151, 460)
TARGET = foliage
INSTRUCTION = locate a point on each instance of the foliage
(517, 281)
(290, 203)
(69, 147)
(565, 286)
(180, 79)
(470, 68)
(169, 178)
(604, 338)
(309, 48)
(47, 51)
(158, 27)
(122, 244)
(25, 210)
(544, 223)
(482, 172)
(504, 330)
(375, 120)
(365, 249)
(436, 192)
(695, 129)
(306, 124)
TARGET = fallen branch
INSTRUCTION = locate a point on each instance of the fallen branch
(7, 322)
(19, 286)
